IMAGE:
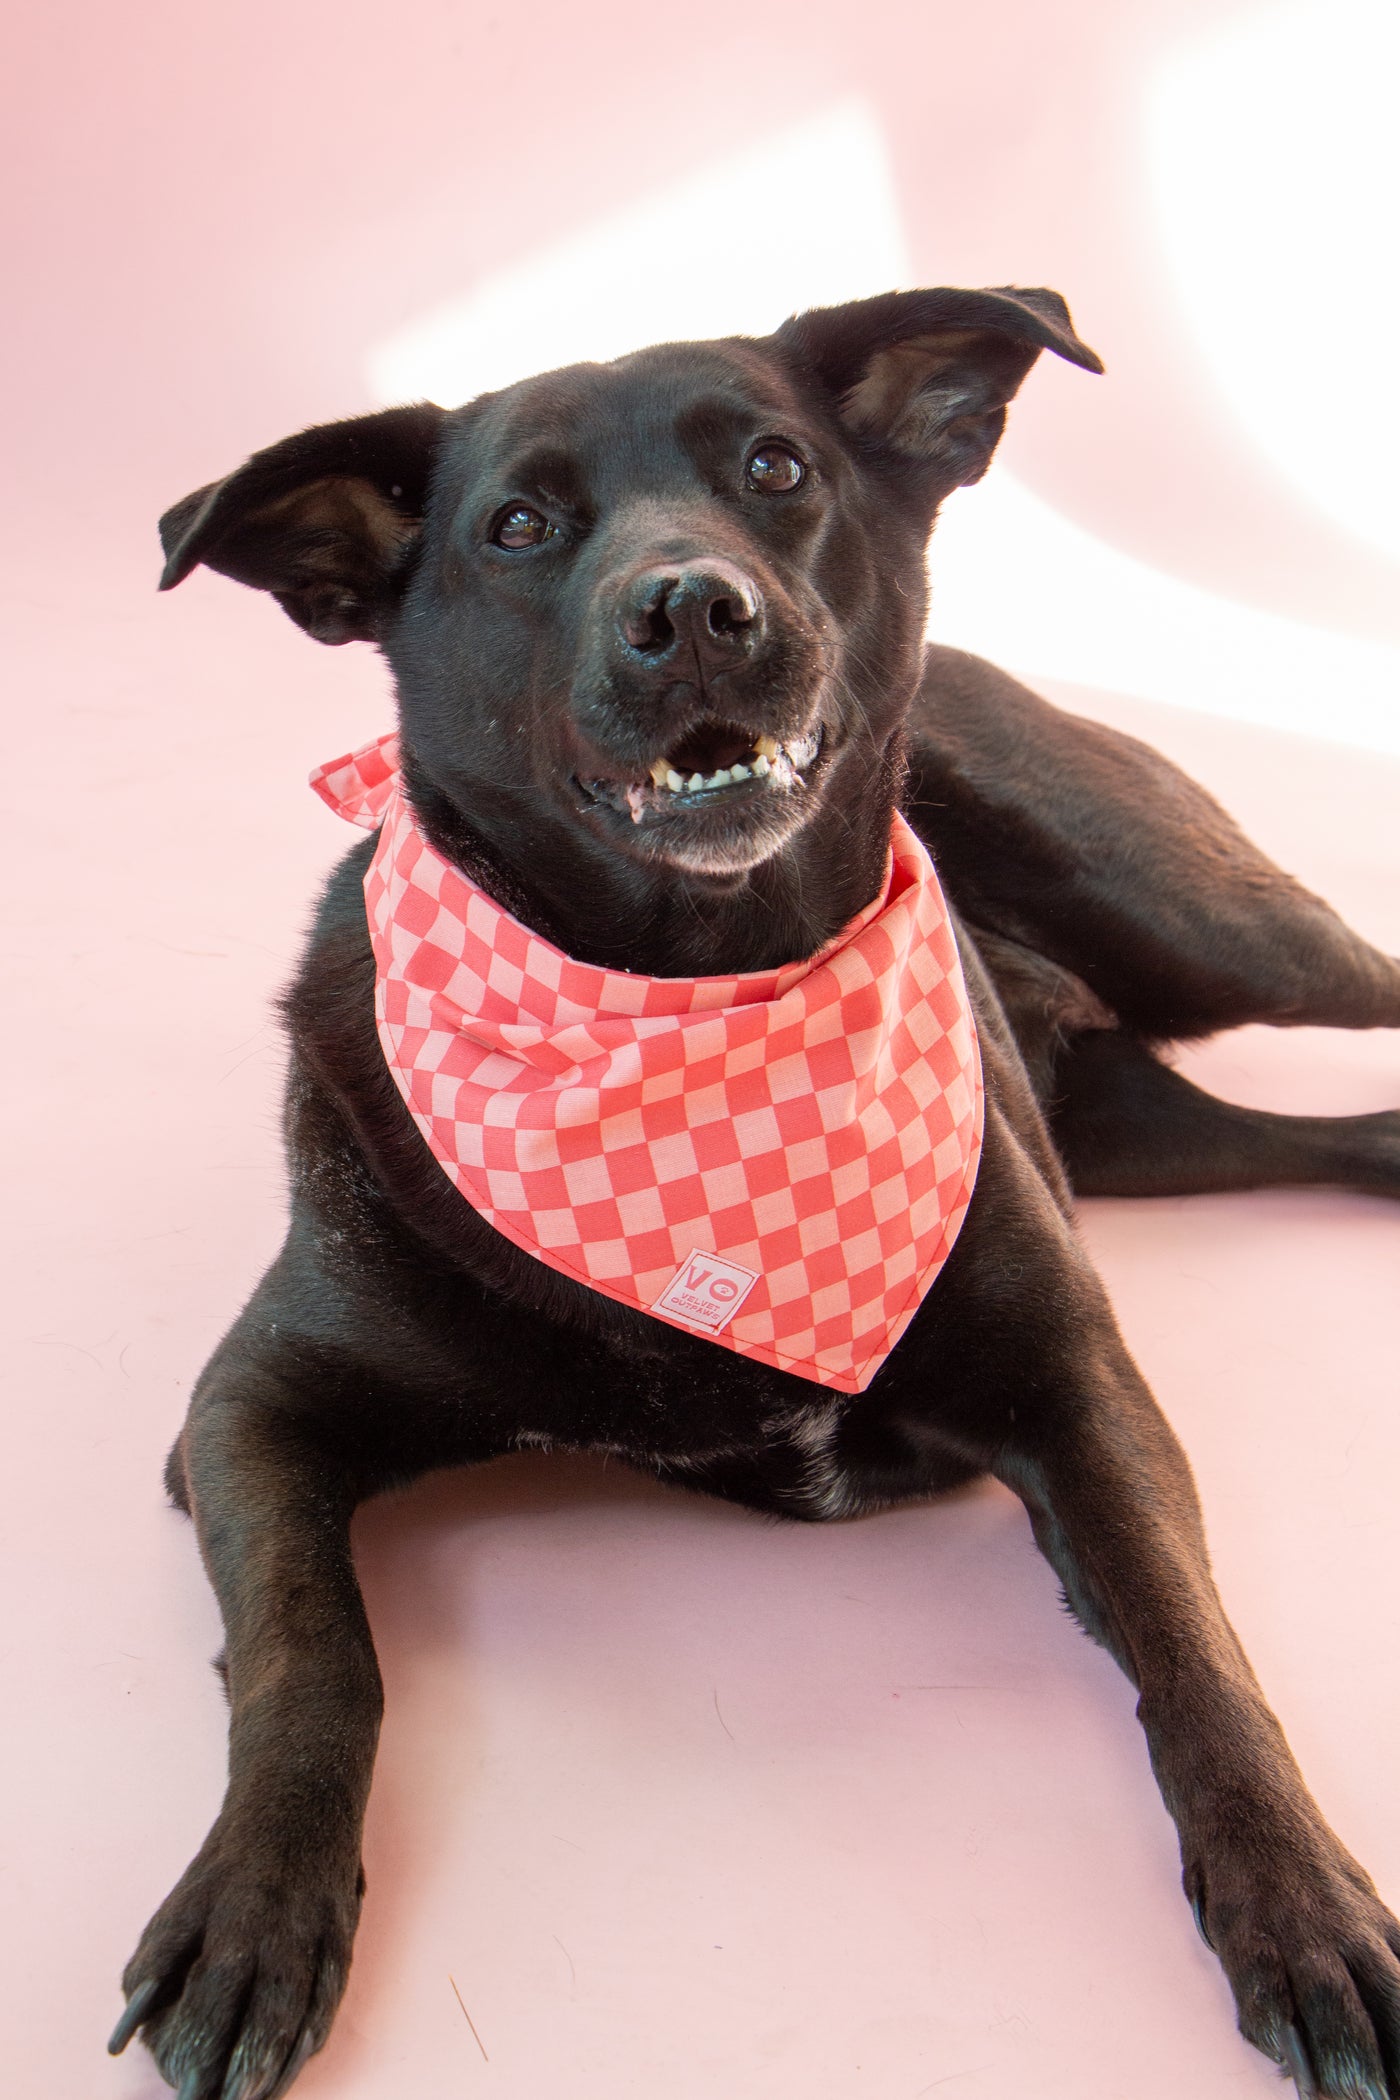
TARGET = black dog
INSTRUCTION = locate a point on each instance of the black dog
(673, 559)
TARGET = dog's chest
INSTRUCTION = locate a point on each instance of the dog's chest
(792, 1467)
(704, 1419)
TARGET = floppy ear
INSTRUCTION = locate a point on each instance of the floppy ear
(322, 520)
(927, 375)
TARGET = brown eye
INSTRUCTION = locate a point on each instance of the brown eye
(522, 527)
(775, 471)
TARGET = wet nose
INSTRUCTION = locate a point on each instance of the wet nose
(711, 607)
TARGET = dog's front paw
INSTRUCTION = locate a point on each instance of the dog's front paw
(1313, 1958)
(238, 1975)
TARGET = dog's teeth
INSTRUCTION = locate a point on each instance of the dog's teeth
(696, 780)
(673, 780)
(738, 772)
(659, 771)
(766, 747)
(802, 750)
(761, 764)
(720, 779)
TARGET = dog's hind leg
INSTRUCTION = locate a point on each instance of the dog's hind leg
(1127, 1125)
(1092, 850)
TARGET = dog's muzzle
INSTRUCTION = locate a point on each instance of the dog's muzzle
(710, 685)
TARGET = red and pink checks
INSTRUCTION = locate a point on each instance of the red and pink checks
(779, 1161)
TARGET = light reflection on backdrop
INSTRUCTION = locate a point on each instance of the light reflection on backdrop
(1274, 154)
(1270, 156)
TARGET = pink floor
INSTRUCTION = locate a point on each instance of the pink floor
(672, 1803)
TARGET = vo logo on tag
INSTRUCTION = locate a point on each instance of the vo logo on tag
(706, 1291)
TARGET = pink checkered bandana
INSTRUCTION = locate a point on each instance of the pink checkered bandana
(779, 1161)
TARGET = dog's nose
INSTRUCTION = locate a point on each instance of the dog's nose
(711, 607)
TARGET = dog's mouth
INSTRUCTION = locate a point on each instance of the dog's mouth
(716, 763)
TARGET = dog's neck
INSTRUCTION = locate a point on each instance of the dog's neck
(618, 914)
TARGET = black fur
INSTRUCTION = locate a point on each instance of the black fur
(676, 602)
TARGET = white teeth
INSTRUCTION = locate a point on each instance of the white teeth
(768, 756)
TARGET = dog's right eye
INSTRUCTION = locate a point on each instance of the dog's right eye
(522, 527)
(775, 470)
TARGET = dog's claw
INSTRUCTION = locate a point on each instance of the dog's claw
(1296, 2062)
(249, 1954)
(1198, 1912)
(137, 2006)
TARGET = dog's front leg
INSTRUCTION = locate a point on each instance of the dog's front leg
(239, 1972)
(1312, 1954)
(1035, 1384)
(1310, 1950)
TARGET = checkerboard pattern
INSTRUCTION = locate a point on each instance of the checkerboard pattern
(818, 1125)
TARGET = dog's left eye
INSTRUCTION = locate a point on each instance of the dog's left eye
(522, 527)
(774, 470)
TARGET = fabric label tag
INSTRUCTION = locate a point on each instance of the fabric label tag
(706, 1291)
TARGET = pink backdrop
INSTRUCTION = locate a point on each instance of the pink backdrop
(684, 1804)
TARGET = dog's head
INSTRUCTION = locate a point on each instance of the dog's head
(658, 622)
